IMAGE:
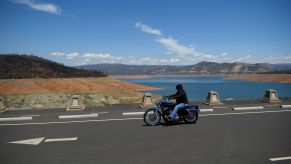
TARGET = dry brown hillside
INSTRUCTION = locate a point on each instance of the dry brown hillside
(67, 85)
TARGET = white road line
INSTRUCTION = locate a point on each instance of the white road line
(221, 107)
(206, 110)
(243, 113)
(280, 159)
(34, 141)
(79, 116)
(125, 119)
(30, 115)
(248, 108)
(103, 112)
(285, 106)
(69, 122)
(272, 105)
(142, 113)
(133, 114)
(61, 139)
(16, 119)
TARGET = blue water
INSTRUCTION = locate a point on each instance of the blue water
(198, 87)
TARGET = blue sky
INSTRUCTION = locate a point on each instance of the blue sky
(174, 32)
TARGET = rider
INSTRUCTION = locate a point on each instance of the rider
(181, 100)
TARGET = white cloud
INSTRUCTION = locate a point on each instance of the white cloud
(245, 58)
(173, 46)
(188, 55)
(148, 29)
(57, 54)
(97, 56)
(275, 59)
(72, 56)
(46, 7)
(102, 58)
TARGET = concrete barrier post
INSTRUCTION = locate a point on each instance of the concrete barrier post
(75, 103)
(147, 100)
(2, 106)
(212, 98)
(271, 96)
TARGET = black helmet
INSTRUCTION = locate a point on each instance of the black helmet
(179, 87)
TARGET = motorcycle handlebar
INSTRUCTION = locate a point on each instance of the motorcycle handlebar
(165, 98)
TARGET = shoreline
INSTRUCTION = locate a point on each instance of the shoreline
(154, 76)
(279, 78)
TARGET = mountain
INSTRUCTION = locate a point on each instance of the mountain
(227, 68)
(282, 66)
(199, 68)
(29, 66)
(122, 69)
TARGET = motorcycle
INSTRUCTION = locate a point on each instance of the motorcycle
(163, 108)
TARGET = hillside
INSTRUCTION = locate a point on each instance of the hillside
(227, 68)
(29, 66)
(55, 92)
(282, 66)
(122, 69)
(68, 85)
(199, 68)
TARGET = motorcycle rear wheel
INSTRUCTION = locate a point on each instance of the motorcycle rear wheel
(191, 119)
(152, 117)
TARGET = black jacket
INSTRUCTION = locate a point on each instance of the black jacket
(180, 96)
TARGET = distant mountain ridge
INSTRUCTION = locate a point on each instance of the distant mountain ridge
(13, 66)
(199, 68)
(282, 66)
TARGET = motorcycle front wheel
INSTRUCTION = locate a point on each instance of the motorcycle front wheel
(152, 117)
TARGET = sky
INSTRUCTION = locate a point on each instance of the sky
(148, 32)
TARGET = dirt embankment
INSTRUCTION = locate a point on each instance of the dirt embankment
(54, 93)
(67, 85)
(281, 78)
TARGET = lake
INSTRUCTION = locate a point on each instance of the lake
(198, 87)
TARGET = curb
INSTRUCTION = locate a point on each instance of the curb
(18, 109)
(248, 108)
(3, 110)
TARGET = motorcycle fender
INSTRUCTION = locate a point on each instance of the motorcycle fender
(195, 108)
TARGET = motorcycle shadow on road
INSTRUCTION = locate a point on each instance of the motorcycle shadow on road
(170, 124)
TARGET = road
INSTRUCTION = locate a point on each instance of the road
(106, 135)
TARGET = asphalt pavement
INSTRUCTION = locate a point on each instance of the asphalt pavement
(117, 134)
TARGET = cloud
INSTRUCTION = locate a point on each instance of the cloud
(72, 56)
(101, 58)
(97, 56)
(147, 29)
(46, 7)
(173, 46)
(57, 54)
(188, 55)
(276, 59)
